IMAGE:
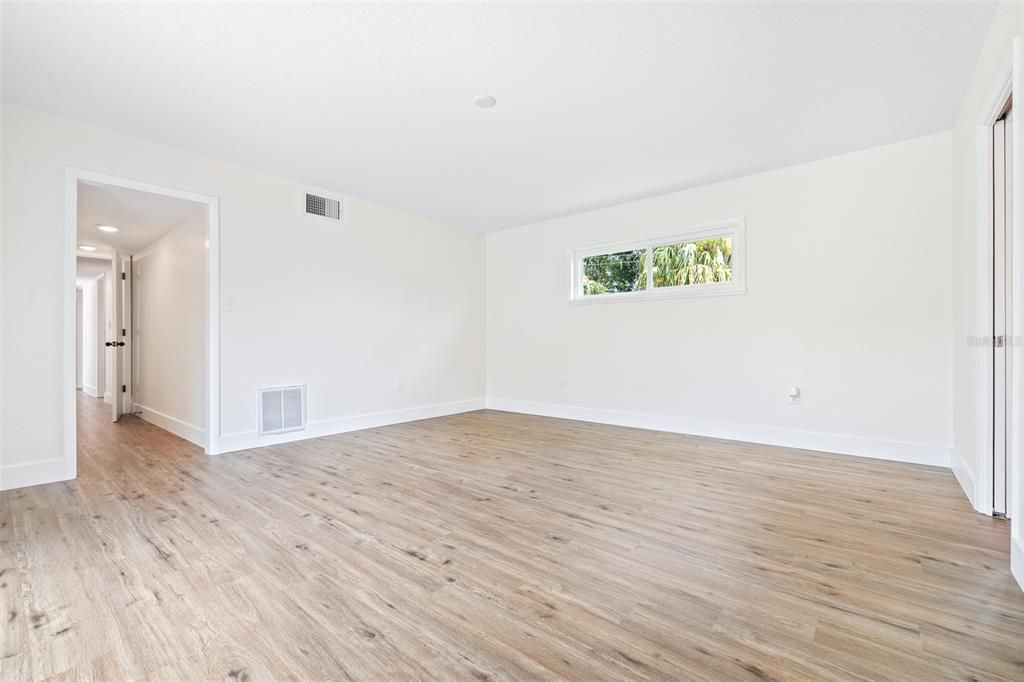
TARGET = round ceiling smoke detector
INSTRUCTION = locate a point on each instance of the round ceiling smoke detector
(484, 101)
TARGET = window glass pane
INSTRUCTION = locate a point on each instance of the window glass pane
(613, 273)
(698, 262)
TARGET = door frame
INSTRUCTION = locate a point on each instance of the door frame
(1010, 81)
(984, 323)
(72, 177)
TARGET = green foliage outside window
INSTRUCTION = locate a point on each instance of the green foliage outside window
(614, 273)
(699, 262)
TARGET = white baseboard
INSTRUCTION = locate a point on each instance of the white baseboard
(189, 432)
(1017, 561)
(233, 442)
(898, 451)
(91, 391)
(964, 476)
(33, 473)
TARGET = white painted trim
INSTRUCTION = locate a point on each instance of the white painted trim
(190, 432)
(232, 442)
(212, 379)
(964, 476)
(32, 473)
(735, 228)
(91, 391)
(1017, 560)
(897, 451)
(68, 394)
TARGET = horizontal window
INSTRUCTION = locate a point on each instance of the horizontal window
(705, 260)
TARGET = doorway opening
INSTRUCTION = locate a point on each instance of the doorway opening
(144, 334)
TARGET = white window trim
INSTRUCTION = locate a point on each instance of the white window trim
(734, 228)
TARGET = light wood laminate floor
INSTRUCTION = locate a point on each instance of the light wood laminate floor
(494, 546)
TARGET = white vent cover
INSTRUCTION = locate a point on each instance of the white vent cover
(323, 207)
(282, 409)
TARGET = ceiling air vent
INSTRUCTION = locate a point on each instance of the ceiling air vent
(282, 409)
(323, 207)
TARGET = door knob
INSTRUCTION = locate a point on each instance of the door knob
(114, 343)
(109, 343)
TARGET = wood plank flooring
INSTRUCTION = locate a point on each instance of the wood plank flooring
(494, 546)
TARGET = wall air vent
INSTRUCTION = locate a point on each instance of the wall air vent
(323, 207)
(282, 409)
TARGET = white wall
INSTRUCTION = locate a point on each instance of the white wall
(848, 298)
(93, 335)
(78, 337)
(3, 312)
(169, 331)
(92, 344)
(104, 363)
(346, 309)
(104, 333)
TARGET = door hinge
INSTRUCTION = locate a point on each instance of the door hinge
(124, 332)
(123, 276)
(124, 389)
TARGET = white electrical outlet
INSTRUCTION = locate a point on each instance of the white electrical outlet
(794, 395)
(399, 385)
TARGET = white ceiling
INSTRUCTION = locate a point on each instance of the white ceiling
(141, 217)
(597, 104)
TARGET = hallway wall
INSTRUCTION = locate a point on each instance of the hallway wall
(92, 337)
(79, 332)
(168, 331)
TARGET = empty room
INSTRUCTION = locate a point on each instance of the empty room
(511, 341)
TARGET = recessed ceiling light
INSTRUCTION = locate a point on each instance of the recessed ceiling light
(86, 247)
(484, 101)
(106, 228)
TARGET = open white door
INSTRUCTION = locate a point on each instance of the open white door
(128, 336)
(116, 343)
(1013, 306)
(1002, 172)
